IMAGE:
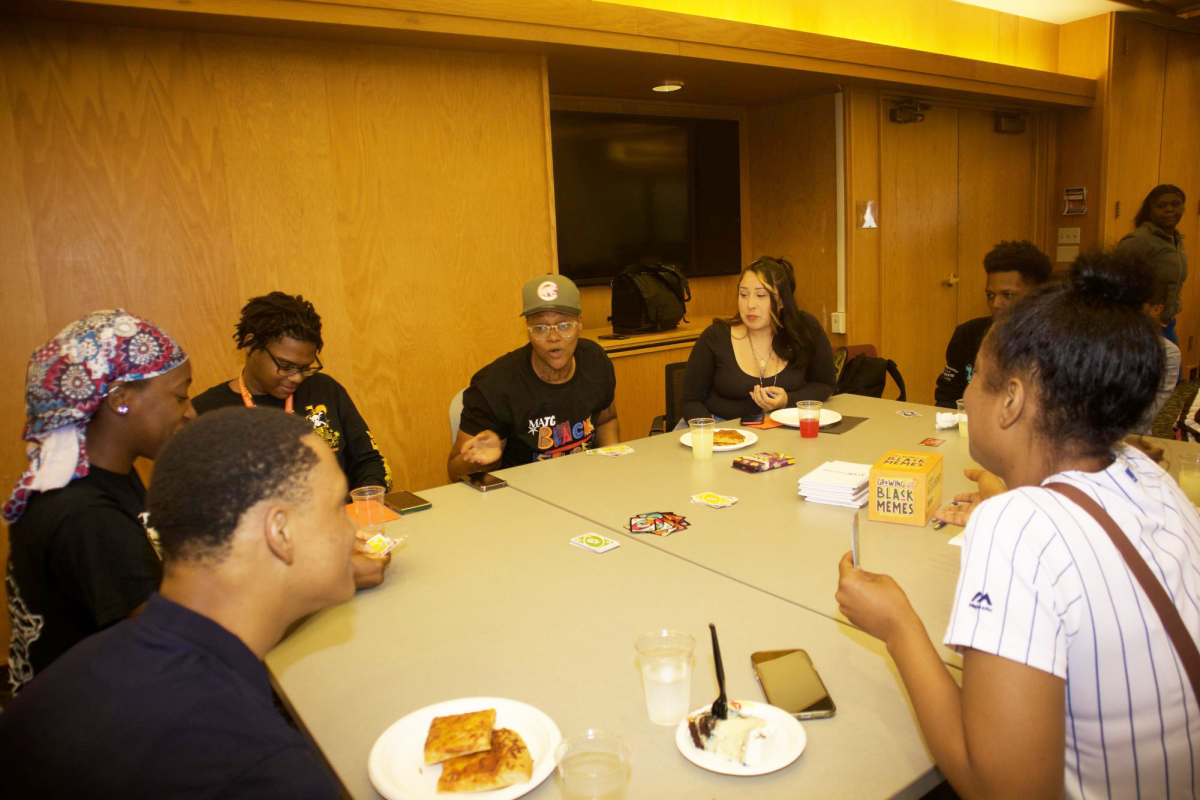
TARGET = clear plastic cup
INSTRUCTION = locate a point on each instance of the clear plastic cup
(368, 510)
(593, 766)
(962, 418)
(665, 658)
(702, 436)
(1189, 476)
(810, 418)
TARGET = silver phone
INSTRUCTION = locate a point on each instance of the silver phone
(483, 481)
(790, 682)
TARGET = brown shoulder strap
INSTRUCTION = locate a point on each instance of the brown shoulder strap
(1185, 645)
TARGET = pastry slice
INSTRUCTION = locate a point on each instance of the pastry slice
(723, 437)
(507, 762)
(459, 735)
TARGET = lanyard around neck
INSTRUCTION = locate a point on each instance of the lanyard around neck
(249, 401)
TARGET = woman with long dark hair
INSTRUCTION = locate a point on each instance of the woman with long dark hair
(1155, 238)
(1071, 685)
(767, 357)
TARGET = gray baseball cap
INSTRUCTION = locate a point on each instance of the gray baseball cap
(550, 293)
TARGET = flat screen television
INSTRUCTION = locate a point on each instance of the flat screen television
(633, 189)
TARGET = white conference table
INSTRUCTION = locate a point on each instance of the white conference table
(772, 539)
(487, 598)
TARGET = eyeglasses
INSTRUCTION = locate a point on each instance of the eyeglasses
(565, 329)
(285, 369)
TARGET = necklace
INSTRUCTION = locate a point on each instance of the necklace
(248, 401)
(762, 365)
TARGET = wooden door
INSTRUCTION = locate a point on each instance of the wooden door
(996, 199)
(919, 227)
(1180, 165)
(1136, 114)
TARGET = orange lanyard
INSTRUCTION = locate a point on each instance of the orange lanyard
(249, 401)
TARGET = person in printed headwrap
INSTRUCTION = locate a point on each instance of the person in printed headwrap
(107, 390)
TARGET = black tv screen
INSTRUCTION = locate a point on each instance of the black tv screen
(633, 189)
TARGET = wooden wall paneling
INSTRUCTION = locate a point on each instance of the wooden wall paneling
(1135, 116)
(22, 307)
(919, 223)
(641, 389)
(1180, 164)
(862, 135)
(793, 179)
(442, 188)
(1084, 49)
(996, 189)
(124, 174)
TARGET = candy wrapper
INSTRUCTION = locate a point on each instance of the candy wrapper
(761, 462)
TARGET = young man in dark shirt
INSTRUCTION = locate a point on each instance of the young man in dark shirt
(1013, 270)
(281, 335)
(175, 702)
(550, 398)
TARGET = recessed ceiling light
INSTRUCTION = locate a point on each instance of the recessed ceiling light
(669, 86)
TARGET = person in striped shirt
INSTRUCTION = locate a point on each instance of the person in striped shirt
(1070, 684)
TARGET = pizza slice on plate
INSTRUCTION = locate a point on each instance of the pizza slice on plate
(507, 762)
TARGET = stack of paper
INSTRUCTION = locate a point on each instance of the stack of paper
(837, 483)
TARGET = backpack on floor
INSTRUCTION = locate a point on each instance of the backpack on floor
(648, 298)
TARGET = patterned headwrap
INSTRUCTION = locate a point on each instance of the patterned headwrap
(68, 378)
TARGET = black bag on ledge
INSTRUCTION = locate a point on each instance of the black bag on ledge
(648, 298)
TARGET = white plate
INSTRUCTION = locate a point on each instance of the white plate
(751, 438)
(786, 746)
(397, 762)
(791, 417)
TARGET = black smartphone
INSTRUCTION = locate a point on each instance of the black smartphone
(406, 502)
(612, 336)
(483, 481)
(790, 682)
(754, 419)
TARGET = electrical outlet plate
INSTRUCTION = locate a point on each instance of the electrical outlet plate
(837, 322)
(1068, 235)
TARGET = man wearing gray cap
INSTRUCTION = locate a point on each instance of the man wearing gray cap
(549, 398)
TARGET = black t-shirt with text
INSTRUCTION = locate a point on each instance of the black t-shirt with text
(334, 417)
(80, 561)
(539, 420)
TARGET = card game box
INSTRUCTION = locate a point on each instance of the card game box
(761, 462)
(905, 487)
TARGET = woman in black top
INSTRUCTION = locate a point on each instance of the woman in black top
(768, 357)
(281, 335)
(108, 389)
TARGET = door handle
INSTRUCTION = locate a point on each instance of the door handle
(951, 280)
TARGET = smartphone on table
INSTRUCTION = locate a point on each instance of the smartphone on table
(754, 419)
(406, 502)
(483, 481)
(790, 682)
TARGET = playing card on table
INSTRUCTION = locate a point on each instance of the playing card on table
(714, 500)
(662, 523)
(595, 542)
(611, 451)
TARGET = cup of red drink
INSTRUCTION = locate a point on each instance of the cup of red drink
(810, 418)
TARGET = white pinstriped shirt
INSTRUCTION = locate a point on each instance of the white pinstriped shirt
(1042, 584)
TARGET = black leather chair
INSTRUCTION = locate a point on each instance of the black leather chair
(674, 386)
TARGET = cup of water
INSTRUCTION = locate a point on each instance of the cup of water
(593, 766)
(962, 418)
(665, 658)
(701, 430)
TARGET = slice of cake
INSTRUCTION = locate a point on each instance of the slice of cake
(740, 738)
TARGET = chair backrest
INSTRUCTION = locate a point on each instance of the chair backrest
(674, 384)
(455, 415)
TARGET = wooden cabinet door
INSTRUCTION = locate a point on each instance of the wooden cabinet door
(919, 227)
